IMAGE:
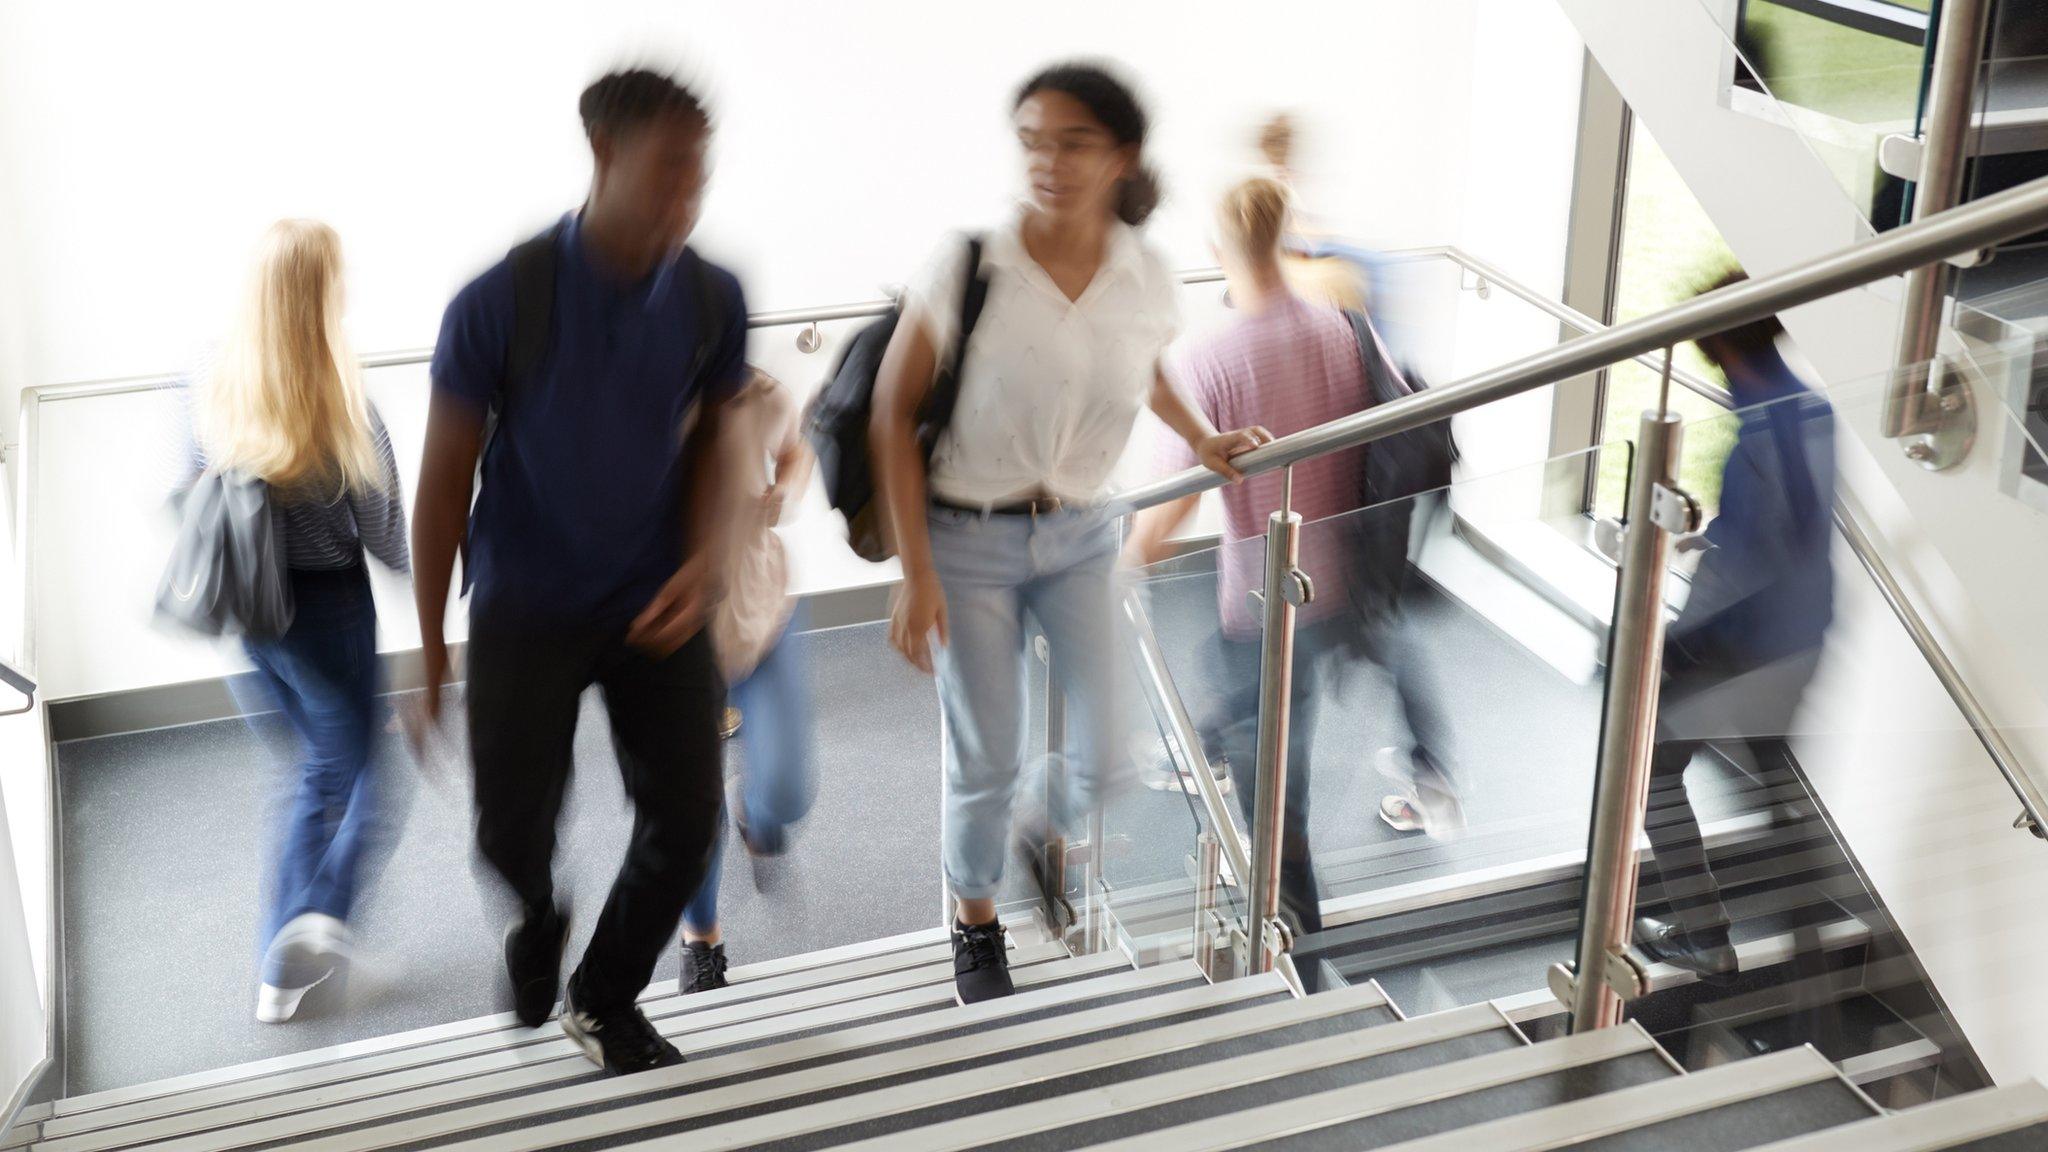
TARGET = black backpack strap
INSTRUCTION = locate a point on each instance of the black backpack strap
(936, 415)
(711, 317)
(973, 294)
(1385, 381)
(533, 309)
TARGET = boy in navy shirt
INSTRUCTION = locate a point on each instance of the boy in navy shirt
(588, 554)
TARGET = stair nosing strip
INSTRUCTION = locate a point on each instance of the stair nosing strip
(973, 1129)
(362, 1116)
(1371, 1097)
(336, 1077)
(1932, 1127)
(771, 1084)
(454, 1029)
(1628, 1109)
(1884, 1063)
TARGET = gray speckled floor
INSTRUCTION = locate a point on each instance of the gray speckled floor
(166, 833)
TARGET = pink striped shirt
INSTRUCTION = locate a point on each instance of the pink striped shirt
(1289, 367)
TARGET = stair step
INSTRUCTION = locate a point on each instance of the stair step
(1734, 1106)
(1178, 1053)
(923, 940)
(851, 1055)
(2010, 1119)
(1350, 1076)
(1476, 963)
(807, 999)
(725, 1094)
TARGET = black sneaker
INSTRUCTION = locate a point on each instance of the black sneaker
(1706, 953)
(620, 1041)
(533, 961)
(981, 962)
(703, 966)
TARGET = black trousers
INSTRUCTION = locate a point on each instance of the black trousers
(525, 685)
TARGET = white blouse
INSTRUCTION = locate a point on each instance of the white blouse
(1050, 387)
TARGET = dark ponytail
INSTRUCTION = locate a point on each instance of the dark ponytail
(1113, 105)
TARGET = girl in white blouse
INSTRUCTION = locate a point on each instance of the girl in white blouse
(1007, 520)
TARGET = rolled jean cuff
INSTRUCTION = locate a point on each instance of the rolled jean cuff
(974, 891)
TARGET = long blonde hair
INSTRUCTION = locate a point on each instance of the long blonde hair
(284, 399)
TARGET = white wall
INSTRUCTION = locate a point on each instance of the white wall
(146, 145)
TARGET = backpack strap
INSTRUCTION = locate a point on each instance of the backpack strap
(937, 413)
(533, 310)
(711, 318)
(973, 294)
(1386, 380)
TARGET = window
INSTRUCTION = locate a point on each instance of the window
(1668, 246)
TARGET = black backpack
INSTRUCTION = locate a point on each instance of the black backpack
(1398, 469)
(838, 419)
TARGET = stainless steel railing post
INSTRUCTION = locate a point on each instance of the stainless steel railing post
(1606, 974)
(1922, 404)
(1055, 783)
(1285, 589)
(1208, 881)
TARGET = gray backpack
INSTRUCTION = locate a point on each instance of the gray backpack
(227, 572)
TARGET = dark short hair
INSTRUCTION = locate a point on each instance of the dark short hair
(624, 100)
(1116, 108)
(1757, 335)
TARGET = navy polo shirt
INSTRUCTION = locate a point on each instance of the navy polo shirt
(579, 518)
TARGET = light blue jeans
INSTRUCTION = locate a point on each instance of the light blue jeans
(1060, 571)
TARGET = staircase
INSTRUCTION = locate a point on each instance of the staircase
(863, 1047)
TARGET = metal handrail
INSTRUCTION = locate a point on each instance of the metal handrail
(1988, 221)
(404, 357)
(21, 682)
(1944, 669)
(1158, 679)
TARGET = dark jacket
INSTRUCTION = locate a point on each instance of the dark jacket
(1765, 588)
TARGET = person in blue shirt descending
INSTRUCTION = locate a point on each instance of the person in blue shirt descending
(599, 356)
(1748, 640)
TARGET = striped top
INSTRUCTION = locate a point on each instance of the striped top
(327, 531)
(1290, 367)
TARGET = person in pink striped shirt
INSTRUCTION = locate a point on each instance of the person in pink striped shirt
(1285, 364)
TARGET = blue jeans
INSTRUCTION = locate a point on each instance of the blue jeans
(322, 674)
(777, 784)
(1060, 570)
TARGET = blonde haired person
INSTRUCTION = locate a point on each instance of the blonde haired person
(1287, 364)
(283, 401)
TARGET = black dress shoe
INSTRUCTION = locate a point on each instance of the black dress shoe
(1707, 954)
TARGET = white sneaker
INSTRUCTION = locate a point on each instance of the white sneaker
(309, 948)
(1162, 773)
(1417, 808)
